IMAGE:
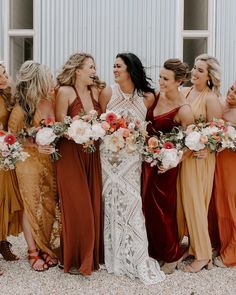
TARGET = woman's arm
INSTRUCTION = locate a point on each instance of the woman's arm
(213, 107)
(62, 104)
(104, 98)
(149, 99)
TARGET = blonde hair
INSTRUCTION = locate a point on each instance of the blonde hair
(6, 94)
(214, 71)
(67, 76)
(34, 82)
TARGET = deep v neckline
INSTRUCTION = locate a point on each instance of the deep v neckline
(80, 101)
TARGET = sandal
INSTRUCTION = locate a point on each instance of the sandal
(5, 250)
(51, 262)
(218, 262)
(193, 269)
(36, 258)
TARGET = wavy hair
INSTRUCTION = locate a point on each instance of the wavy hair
(137, 72)
(6, 94)
(180, 69)
(34, 82)
(67, 76)
(214, 71)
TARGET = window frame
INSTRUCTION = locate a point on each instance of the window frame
(9, 33)
(181, 33)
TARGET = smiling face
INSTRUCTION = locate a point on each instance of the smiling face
(120, 71)
(231, 95)
(200, 74)
(167, 80)
(87, 72)
(4, 81)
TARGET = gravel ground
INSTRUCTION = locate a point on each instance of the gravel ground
(19, 279)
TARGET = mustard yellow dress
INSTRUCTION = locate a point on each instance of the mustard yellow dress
(10, 200)
(194, 188)
(37, 185)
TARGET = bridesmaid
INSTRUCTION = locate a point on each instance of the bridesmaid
(159, 186)
(36, 175)
(79, 173)
(225, 191)
(10, 201)
(195, 194)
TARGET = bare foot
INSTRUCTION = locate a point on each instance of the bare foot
(51, 262)
(197, 265)
(36, 262)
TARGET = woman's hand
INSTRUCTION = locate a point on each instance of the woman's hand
(46, 149)
(202, 154)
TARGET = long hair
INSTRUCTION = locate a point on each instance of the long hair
(6, 94)
(214, 71)
(67, 76)
(180, 69)
(137, 72)
(34, 82)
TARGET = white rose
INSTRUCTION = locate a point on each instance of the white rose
(170, 157)
(45, 136)
(80, 131)
(97, 131)
(192, 141)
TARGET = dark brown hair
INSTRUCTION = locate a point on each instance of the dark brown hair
(180, 69)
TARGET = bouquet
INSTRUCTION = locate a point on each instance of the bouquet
(50, 132)
(11, 151)
(85, 129)
(205, 135)
(166, 150)
(124, 133)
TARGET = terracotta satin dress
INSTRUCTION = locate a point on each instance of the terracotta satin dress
(225, 201)
(80, 189)
(159, 197)
(10, 200)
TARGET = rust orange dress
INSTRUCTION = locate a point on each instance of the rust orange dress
(225, 201)
(80, 190)
(10, 200)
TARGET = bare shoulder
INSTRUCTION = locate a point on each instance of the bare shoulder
(66, 91)
(212, 97)
(149, 99)
(185, 90)
(104, 97)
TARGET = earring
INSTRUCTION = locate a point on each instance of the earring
(208, 83)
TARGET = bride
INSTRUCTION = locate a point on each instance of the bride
(126, 245)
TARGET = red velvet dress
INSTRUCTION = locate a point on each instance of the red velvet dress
(80, 190)
(159, 197)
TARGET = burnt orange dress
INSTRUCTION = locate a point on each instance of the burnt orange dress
(225, 200)
(10, 200)
(80, 190)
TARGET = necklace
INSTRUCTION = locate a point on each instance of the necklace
(128, 96)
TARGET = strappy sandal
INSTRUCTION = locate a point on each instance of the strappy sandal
(48, 259)
(35, 258)
(191, 269)
(5, 250)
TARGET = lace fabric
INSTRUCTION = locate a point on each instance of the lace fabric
(126, 245)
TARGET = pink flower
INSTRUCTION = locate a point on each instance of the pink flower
(10, 139)
(203, 139)
(105, 125)
(152, 142)
(111, 118)
(168, 145)
(125, 133)
(49, 121)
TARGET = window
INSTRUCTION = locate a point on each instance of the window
(20, 33)
(195, 29)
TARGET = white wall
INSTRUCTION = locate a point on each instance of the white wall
(105, 28)
(225, 36)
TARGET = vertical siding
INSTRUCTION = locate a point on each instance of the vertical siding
(225, 36)
(106, 27)
(1, 30)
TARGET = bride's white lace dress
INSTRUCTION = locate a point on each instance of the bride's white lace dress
(125, 238)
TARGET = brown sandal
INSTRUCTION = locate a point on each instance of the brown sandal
(5, 250)
(35, 258)
(48, 260)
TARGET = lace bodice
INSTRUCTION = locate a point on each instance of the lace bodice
(121, 102)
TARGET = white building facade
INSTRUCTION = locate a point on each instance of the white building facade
(48, 31)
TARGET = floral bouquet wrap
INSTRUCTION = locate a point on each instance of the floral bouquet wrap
(166, 150)
(85, 129)
(11, 151)
(124, 133)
